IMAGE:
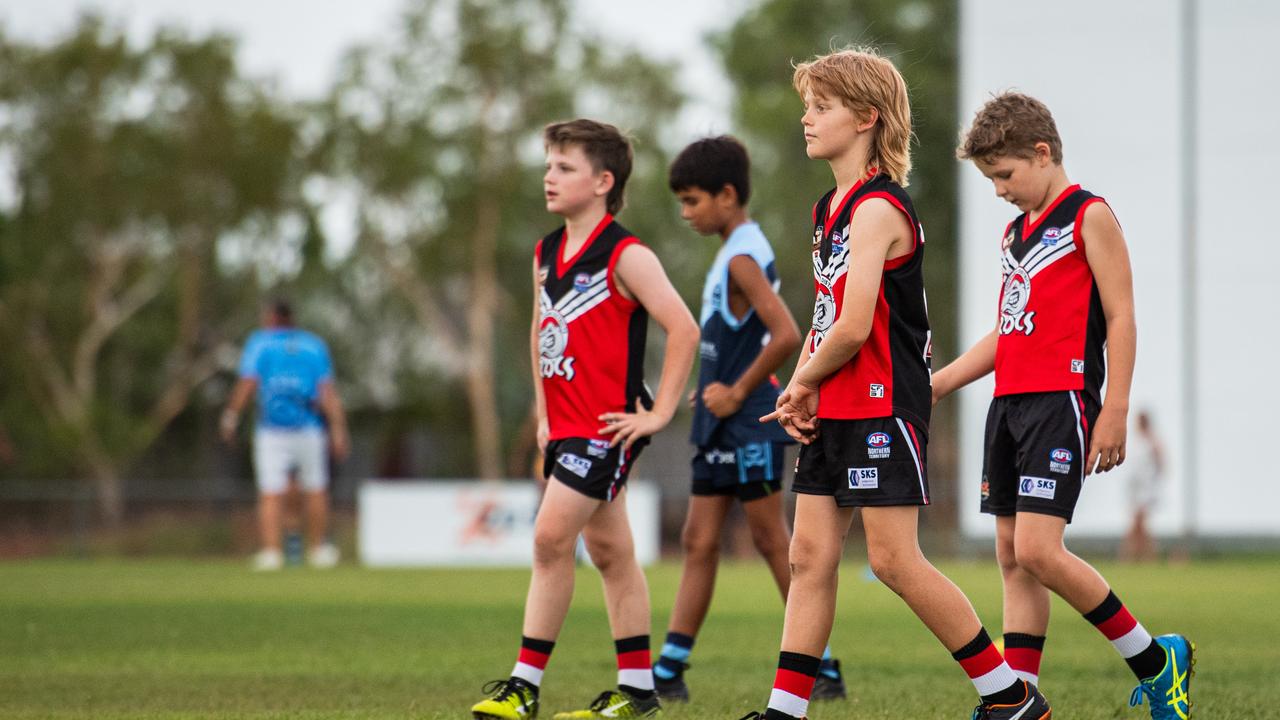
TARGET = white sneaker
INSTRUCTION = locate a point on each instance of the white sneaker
(323, 556)
(268, 559)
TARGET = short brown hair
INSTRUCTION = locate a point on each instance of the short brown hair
(603, 144)
(1010, 124)
(863, 79)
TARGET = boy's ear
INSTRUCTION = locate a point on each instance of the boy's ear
(868, 122)
(1044, 154)
(605, 183)
(728, 193)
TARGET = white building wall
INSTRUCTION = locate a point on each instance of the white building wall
(1111, 72)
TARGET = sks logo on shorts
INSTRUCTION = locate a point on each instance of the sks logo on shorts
(553, 338)
(824, 316)
(879, 444)
(1013, 304)
(1060, 460)
(864, 478)
(1051, 236)
(1043, 488)
(575, 464)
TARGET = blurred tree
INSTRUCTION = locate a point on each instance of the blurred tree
(130, 166)
(920, 37)
(437, 133)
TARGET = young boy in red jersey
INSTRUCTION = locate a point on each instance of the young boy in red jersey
(747, 333)
(859, 401)
(595, 286)
(1066, 321)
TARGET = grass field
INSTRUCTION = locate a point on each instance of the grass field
(183, 640)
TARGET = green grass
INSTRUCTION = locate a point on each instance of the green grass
(183, 640)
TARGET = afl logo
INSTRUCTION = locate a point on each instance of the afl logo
(1050, 236)
(553, 339)
(1061, 455)
(879, 440)
(581, 282)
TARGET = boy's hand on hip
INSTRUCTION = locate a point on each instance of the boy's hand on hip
(721, 400)
(626, 428)
(1106, 448)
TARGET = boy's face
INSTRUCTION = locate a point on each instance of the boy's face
(829, 127)
(706, 213)
(570, 183)
(1022, 182)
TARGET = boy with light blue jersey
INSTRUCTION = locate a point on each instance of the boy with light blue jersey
(292, 373)
(747, 333)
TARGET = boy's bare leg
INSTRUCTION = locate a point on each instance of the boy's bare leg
(894, 553)
(816, 547)
(626, 594)
(562, 516)
(317, 510)
(1039, 550)
(1026, 601)
(701, 541)
(270, 510)
(771, 538)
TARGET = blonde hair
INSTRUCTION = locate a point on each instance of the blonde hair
(862, 79)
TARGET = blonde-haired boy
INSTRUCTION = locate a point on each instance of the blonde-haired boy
(860, 399)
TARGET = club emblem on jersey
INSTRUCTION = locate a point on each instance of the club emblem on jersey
(879, 444)
(553, 338)
(824, 316)
(1007, 242)
(1013, 304)
(542, 275)
(581, 282)
(1050, 236)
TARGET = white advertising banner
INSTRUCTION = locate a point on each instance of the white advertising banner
(405, 523)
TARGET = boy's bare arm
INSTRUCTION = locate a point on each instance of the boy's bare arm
(540, 400)
(784, 337)
(639, 274)
(874, 230)
(1109, 261)
(976, 362)
(336, 418)
(230, 419)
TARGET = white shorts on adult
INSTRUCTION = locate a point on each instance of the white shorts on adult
(278, 452)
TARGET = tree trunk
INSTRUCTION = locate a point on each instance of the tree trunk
(486, 423)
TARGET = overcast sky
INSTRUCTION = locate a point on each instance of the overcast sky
(298, 42)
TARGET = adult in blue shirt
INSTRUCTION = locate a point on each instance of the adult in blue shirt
(292, 374)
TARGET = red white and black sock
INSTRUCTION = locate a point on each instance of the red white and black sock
(792, 686)
(532, 660)
(991, 675)
(1023, 652)
(635, 674)
(1143, 655)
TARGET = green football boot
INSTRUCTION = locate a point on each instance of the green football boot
(615, 704)
(511, 699)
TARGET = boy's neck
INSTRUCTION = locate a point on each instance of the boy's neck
(737, 220)
(1057, 186)
(578, 226)
(850, 167)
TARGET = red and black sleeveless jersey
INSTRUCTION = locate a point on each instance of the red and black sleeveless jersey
(889, 375)
(590, 337)
(1052, 330)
